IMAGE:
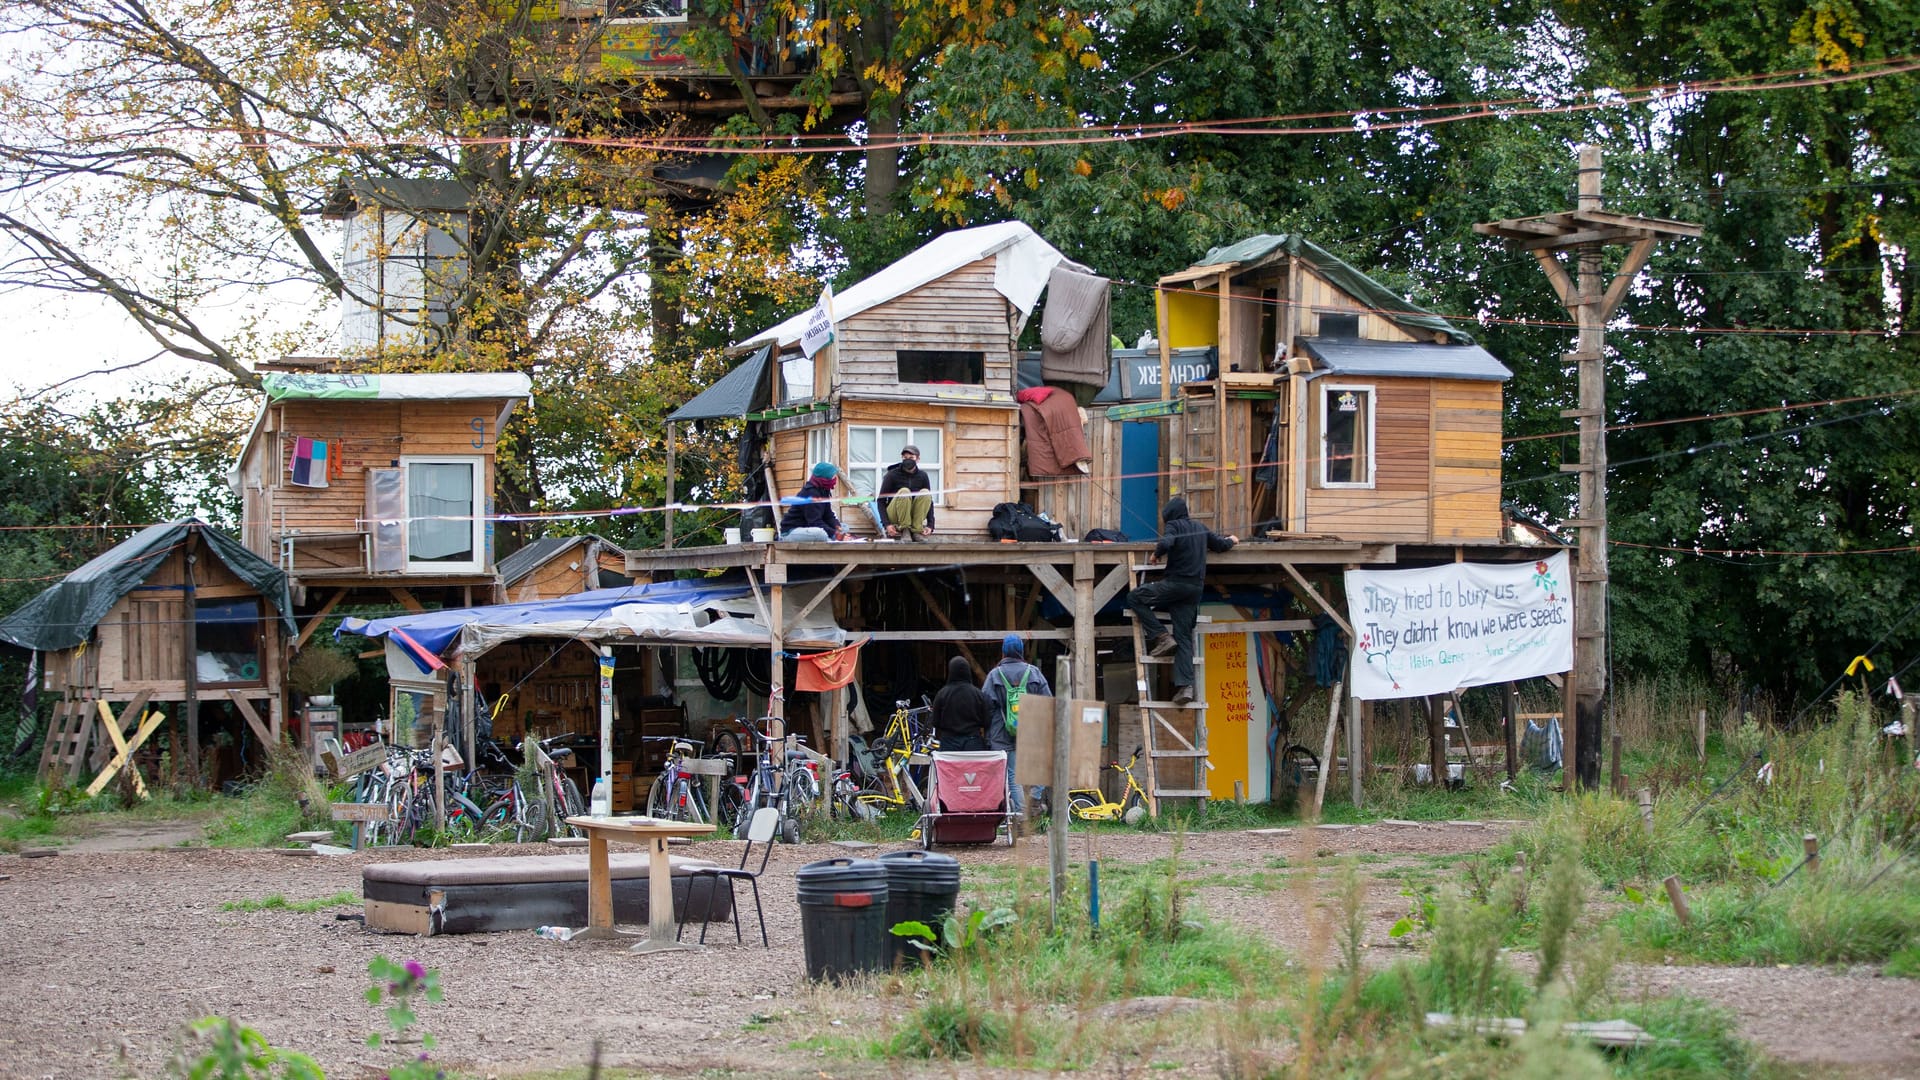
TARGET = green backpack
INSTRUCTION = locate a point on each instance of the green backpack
(1015, 691)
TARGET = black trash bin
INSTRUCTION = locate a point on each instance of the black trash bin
(922, 886)
(843, 917)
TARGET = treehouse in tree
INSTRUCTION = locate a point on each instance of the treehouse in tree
(1339, 408)
(373, 481)
(923, 354)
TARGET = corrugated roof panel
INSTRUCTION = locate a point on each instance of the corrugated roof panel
(1407, 359)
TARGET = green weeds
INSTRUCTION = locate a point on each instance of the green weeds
(277, 902)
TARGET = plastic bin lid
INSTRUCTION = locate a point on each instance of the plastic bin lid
(921, 867)
(854, 874)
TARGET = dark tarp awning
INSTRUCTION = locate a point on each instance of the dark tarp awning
(743, 390)
(66, 613)
(1350, 280)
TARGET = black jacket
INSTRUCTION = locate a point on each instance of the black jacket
(959, 708)
(898, 479)
(811, 514)
(1184, 544)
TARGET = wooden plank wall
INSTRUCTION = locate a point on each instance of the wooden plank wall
(977, 454)
(1397, 507)
(961, 311)
(1466, 459)
(141, 642)
(564, 575)
(360, 435)
(1318, 294)
(1090, 502)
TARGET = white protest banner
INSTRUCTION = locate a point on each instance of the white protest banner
(818, 333)
(1435, 630)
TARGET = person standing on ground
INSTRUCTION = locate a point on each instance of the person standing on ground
(810, 513)
(1184, 544)
(1009, 681)
(960, 710)
(910, 514)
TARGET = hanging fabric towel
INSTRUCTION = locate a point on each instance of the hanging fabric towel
(828, 670)
(1074, 334)
(309, 464)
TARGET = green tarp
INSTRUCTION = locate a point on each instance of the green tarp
(743, 390)
(66, 613)
(1356, 284)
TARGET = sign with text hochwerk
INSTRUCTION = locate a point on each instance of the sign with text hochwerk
(1435, 630)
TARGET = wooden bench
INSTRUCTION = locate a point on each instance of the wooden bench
(488, 895)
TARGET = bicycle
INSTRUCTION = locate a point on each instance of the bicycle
(784, 788)
(894, 787)
(1091, 804)
(678, 795)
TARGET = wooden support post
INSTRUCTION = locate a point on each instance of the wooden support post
(670, 487)
(1326, 748)
(1569, 731)
(1436, 742)
(1510, 717)
(1811, 845)
(1239, 793)
(1617, 782)
(190, 697)
(1700, 737)
(1519, 877)
(1356, 759)
(1678, 898)
(1646, 810)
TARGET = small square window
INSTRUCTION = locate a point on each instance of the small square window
(1343, 324)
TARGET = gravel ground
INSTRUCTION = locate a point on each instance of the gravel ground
(115, 951)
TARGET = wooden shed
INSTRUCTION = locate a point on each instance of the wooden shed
(923, 353)
(353, 480)
(1339, 408)
(177, 613)
(562, 566)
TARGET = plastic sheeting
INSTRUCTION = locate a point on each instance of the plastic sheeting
(64, 614)
(664, 613)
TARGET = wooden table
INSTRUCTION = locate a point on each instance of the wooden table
(654, 832)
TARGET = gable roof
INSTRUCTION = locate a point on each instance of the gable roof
(1022, 263)
(65, 613)
(1416, 359)
(1245, 254)
(542, 551)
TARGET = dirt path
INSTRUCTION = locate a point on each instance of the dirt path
(113, 953)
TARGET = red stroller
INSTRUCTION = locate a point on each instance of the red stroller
(967, 799)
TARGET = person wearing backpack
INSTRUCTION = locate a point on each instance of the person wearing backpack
(1011, 680)
(1184, 544)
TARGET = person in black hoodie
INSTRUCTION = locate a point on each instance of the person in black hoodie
(810, 513)
(1184, 544)
(960, 709)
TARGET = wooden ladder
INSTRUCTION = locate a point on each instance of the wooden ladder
(1161, 738)
(69, 734)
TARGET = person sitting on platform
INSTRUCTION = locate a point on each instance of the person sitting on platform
(1184, 544)
(910, 514)
(810, 515)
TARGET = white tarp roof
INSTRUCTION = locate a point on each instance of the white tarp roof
(1022, 264)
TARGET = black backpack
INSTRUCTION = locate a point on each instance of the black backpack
(1018, 521)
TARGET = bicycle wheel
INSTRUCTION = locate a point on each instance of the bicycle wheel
(732, 813)
(533, 821)
(657, 798)
(572, 802)
(802, 789)
(497, 818)
(463, 818)
(871, 806)
(1080, 806)
(727, 743)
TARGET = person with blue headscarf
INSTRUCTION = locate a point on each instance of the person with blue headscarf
(1009, 681)
(810, 515)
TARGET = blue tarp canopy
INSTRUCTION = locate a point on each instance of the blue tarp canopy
(664, 613)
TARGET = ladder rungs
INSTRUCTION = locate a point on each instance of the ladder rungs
(1181, 793)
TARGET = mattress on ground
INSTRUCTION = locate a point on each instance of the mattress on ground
(478, 896)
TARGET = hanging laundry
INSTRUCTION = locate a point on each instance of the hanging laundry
(828, 670)
(309, 465)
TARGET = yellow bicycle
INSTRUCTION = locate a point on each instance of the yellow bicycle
(1091, 804)
(906, 742)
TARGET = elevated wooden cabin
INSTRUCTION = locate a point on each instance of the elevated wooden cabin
(177, 614)
(1339, 408)
(923, 354)
(376, 481)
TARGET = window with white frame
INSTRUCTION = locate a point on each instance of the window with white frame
(872, 450)
(1346, 436)
(446, 521)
